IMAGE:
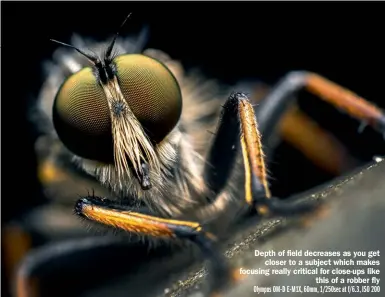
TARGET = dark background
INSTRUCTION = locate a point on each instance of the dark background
(228, 41)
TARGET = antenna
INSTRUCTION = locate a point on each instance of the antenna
(110, 47)
(92, 58)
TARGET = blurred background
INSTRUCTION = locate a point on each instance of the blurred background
(251, 44)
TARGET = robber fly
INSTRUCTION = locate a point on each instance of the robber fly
(124, 120)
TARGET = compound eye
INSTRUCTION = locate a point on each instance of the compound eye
(82, 119)
(152, 93)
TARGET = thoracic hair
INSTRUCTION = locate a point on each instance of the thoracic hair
(178, 185)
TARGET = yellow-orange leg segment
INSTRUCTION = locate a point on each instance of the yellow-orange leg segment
(272, 107)
(106, 212)
(257, 193)
(344, 99)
